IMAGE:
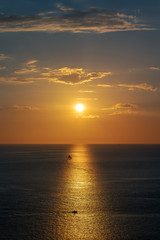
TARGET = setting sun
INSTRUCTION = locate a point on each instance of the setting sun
(79, 107)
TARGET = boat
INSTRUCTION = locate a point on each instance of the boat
(74, 212)
(69, 157)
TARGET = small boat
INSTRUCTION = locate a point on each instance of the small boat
(69, 157)
(74, 212)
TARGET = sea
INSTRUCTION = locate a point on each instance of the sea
(104, 192)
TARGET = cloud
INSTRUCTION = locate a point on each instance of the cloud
(104, 85)
(20, 108)
(87, 99)
(154, 68)
(31, 62)
(86, 91)
(28, 67)
(125, 106)
(2, 68)
(65, 75)
(143, 86)
(92, 20)
(130, 106)
(91, 116)
(3, 57)
(26, 70)
(122, 108)
(17, 80)
(63, 8)
(72, 76)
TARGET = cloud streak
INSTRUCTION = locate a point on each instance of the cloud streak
(63, 8)
(66, 19)
(2, 68)
(28, 67)
(87, 99)
(26, 71)
(31, 62)
(17, 80)
(90, 116)
(20, 108)
(3, 57)
(86, 91)
(143, 86)
(154, 68)
(104, 85)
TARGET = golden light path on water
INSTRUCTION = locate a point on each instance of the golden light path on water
(79, 192)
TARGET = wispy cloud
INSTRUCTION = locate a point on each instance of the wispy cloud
(130, 106)
(63, 8)
(143, 86)
(3, 56)
(72, 76)
(125, 106)
(86, 91)
(87, 99)
(28, 67)
(26, 71)
(17, 79)
(2, 68)
(31, 62)
(154, 68)
(122, 108)
(20, 108)
(67, 19)
(104, 85)
(90, 116)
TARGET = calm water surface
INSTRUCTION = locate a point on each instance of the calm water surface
(115, 190)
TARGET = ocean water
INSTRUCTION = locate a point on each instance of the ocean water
(115, 190)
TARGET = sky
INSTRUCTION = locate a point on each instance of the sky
(57, 54)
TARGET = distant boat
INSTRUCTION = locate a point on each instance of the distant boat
(74, 212)
(69, 157)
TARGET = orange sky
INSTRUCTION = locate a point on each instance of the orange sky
(107, 60)
(56, 121)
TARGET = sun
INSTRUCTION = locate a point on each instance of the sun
(79, 107)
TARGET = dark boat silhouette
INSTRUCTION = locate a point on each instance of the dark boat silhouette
(69, 157)
(74, 212)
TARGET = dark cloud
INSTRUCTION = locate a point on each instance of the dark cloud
(67, 19)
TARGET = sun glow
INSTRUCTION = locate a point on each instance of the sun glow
(79, 107)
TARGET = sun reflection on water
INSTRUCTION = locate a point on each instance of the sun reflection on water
(79, 192)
